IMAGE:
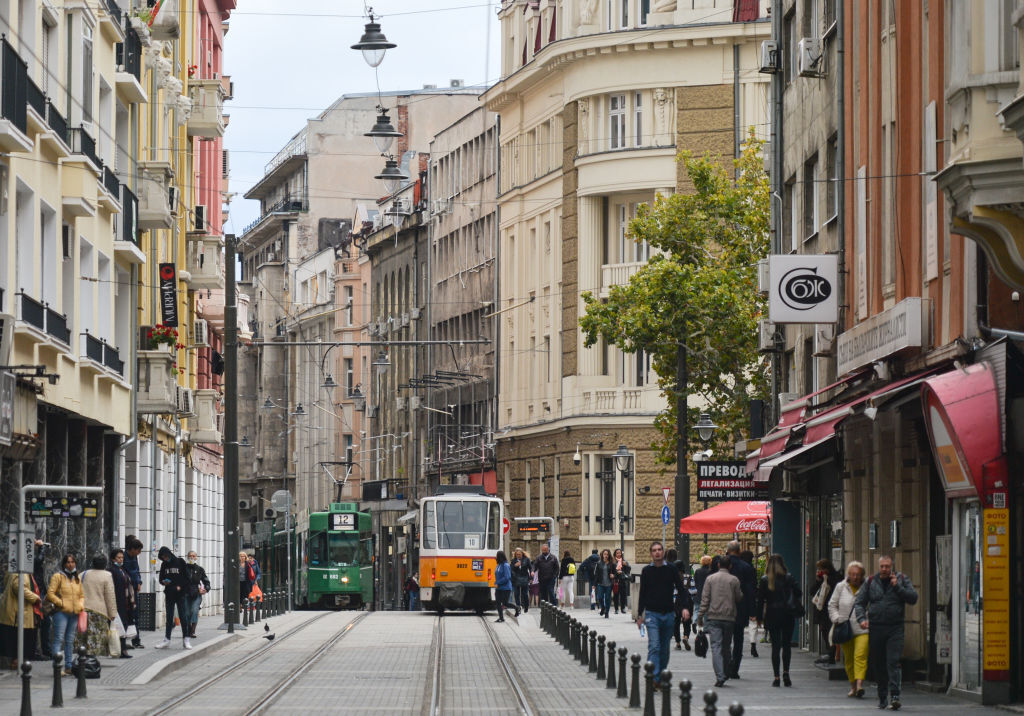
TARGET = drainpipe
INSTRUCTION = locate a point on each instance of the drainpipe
(841, 155)
(133, 416)
(178, 475)
(776, 189)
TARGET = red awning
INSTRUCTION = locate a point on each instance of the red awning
(729, 517)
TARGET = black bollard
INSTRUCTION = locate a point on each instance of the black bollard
(710, 697)
(685, 687)
(593, 650)
(649, 691)
(560, 628)
(600, 658)
(634, 691)
(245, 612)
(570, 639)
(58, 691)
(80, 692)
(584, 654)
(622, 688)
(26, 689)
(736, 709)
(275, 605)
(543, 617)
(574, 639)
(666, 692)
(611, 666)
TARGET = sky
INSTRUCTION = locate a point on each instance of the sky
(290, 59)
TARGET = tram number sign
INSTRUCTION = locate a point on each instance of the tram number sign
(346, 522)
(532, 526)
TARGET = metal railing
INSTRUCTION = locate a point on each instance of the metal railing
(112, 359)
(113, 9)
(32, 311)
(13, 87)
(57, 123)
(93, 348)
(35, 97)
(57, 326)
(285, 205)
(129, 215)
(110, 182)
(82, 143)
(129, 52)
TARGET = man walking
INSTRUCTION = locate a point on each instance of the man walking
(586, 572)
(132, 549)
(748, 585)
(880, 607)
(656, 608)
(174, 577)
(718, 603)
(547, 567)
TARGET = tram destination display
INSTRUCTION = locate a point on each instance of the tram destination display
(727, 480)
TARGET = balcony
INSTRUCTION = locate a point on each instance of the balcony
(156, 384)
(126, 239)
(31, 312)
(165, 24)
(285, 206)
(205, 428)
(155, 209)
(79, 188)
(99, 356)
(129, 67)
(58, 139)
(207, 118)
(13, 101)
(83, 148)
(110, 17)
(617, 275)
(205, 262)
(36, 101)
(57, 326)
(110, 195)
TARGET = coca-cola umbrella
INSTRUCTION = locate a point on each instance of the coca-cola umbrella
(728, 518)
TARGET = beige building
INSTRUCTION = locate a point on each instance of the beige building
(596, 100)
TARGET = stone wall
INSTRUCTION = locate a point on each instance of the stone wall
(704, 123)
(570, 243)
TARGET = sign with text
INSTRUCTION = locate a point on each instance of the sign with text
(804, 288)
(7, 384)
(62, 506)
(20, 550)
(996, 586)
(899, 328)
(168, 295)
(727, 480)
(343, 522)
(532, 525)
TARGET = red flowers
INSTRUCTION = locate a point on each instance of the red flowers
(161, 335)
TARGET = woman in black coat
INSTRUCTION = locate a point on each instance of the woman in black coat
(124, 594)
(825, 574)
(777, 596)
(522, 573)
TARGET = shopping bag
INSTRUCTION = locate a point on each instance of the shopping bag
(113, 642)
(560, 599)
(593, 598)
(256, 594)
(118, 626)
(83, 622)
(131, 631)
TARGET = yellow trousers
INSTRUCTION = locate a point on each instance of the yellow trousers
(855, 657)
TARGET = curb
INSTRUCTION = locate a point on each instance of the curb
(173, 663)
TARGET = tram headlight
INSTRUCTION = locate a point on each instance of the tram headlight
(344, 579)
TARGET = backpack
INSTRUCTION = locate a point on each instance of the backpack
(89, 663)
(793, 604)
(571, 569)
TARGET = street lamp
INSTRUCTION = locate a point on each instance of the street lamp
(358, 400)
(299, 410)
(329, 382)
(381, 362)
(373, 44)
(383, 132)
(623, 458)
(705, 427)
(268, 404)
(392, 176)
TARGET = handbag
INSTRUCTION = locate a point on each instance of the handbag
(820, 599)
(88, 663)
(83, 622)
(113, 642)
(793, 605)
(700, 644)
(842, 632)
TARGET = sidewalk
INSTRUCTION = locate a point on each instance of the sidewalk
(811, 690)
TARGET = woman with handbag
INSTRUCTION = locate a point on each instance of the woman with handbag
(9, 618)
(620, 583)
(100, 607)
(65, 593)
(826, 577)
(778, 608)
(847, 632)
(124, 595)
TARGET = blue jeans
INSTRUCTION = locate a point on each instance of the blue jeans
(604, 597)
(194, 604)
(660, 626)
(720, 635)
(412, 600)
(179, 601)
(64, 628)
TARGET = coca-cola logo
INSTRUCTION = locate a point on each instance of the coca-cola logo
(756, 525)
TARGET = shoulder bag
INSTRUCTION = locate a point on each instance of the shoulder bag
(700, 644)
(793, 604)
(842, 632)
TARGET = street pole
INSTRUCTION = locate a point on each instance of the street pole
(231, 586)
(682, 478)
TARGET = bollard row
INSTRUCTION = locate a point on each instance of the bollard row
(598, 654)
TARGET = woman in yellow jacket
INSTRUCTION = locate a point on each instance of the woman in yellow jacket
(9, 618)
(65, 593)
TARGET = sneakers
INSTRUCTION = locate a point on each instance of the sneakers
(188, 643)
(164, 644)
(895, 703)
(137, 644)
(753, 650)
(686, 643)
(679, 647)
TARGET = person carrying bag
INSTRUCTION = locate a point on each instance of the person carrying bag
(846, 631)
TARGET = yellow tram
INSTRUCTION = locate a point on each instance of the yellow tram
(460, 535)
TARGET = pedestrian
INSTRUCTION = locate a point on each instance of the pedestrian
(100, 606)
(9, 618)
(840, 610)
(719, 600)
(521, 576)
(700, 575)
(547, 566)
(534, 588)
(880, 607)
(825, 580)
(586, 573)
(620, 581)
(778, 606)
(502, 585)
(65, 593)
(603, 582)
(661, 594)
(198, 585)
(756, 632)
(681, 628)
(411, 590)
(132, 549)
(567, 574)
(246, 576)
(43, 616)
(744, 572)
(124, 596)
(174, 577)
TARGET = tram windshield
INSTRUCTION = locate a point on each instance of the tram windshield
(454, 524)
(332, 550)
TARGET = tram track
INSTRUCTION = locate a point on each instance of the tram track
(525, 705)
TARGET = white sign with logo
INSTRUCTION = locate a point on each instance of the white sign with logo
(804, 289)
(903, 326)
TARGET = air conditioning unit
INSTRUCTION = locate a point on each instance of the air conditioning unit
(6, 337)
(764, 281)
(201, 333)
(414, 313)
(770, 57)
(243, 504)
(269, 513)
(172, 199)
(199, 219)
(810, 57)
(415, 402)
(186, 402)
(766, 342)
(400, 402)
(787, 398)
(405, 320)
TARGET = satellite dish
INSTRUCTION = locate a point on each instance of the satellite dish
(281, 500)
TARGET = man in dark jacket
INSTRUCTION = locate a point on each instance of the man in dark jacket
(198, 585)
(175, 578)
(745, 609)
(880, 607)
(662, 595)
(587, 574)
(547, 567)
(132, 548)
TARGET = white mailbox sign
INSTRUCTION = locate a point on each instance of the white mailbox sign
(804, 289)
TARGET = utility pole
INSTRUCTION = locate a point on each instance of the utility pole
(682, 510)
(231, 587)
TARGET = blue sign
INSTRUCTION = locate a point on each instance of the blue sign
(666, 516)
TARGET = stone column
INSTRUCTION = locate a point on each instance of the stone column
(590, 240)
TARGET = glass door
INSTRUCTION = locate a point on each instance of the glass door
(968, 604)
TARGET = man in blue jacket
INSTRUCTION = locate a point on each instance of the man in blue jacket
(880, 607)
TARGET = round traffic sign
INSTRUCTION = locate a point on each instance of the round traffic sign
(666, 516)
(505, 525)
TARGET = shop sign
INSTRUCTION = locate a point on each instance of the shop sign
(168, 295)
(995, 578)
(728, 480)
(903, 326)
(804, 288)
(7, 384)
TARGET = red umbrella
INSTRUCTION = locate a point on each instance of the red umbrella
(729, 517)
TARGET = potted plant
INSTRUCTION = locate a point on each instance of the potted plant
(163, 338)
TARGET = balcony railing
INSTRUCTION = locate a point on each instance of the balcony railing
(113, 9)
(57, 123)
(13, 87)
(33, 312)
(619, 274)
(129, 52)
(112, 359)
(129, 216)
(57, 326)
(110, 182)
(35, 97)
(285, 205)
(82, 143)
(93, 348)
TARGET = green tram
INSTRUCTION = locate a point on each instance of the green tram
(332, 557)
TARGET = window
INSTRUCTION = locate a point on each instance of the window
(808, 365)
(888, 202)
(606, 485)
(638, 120)
(624, 17)
(789, 211)
(617, 121)
(810, 192)
(547, 358)
(86, 73)
(645, 7)
(349, 306)
(349, 375)
(831, 170)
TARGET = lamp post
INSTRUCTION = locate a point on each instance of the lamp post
(623, 459)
